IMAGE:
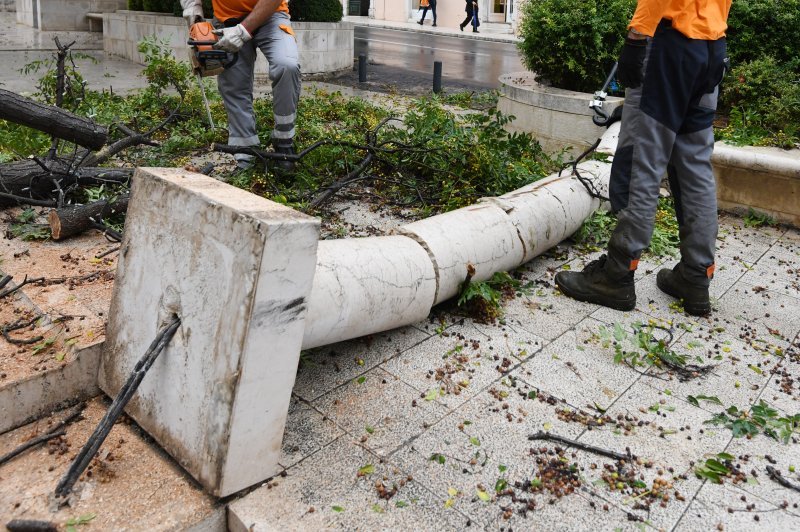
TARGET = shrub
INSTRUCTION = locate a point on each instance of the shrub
(158, 6)
(762, 100)
(315, 10)
(764, 28)
(572, 44)
(135, 5)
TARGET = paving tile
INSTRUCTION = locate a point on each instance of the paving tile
(783, 389)
(576, 367)
(671, 431)
(723, 505)
(577, 511)
(549, 262)
(463, 360)
(489, 431)
(324, 368)
(661, 514)
(383, 404)
(736, 240)
(329, 483)
(789, 241)
(733, 379)
(307, 431)
(761, 315)
(778, 271)
(761, 452)
(546, 312)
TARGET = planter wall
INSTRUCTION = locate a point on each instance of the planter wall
(62, 15)
(556, 117)
(766, 179)
(324, 47)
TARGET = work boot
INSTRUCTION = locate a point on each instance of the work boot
(461, 27)
(595, 284)
(284, 168)
(419, 22)
(694, 296)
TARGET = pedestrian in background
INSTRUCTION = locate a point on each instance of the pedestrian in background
(425, 5)
(472, 16)
(673, 60)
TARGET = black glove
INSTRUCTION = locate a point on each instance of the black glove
(631, 62)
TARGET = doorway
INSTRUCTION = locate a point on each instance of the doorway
(499, 11)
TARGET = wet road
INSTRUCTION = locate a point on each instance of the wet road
(474, 63)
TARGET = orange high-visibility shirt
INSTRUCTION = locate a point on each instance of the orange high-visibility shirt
(225, 9)
(696, 19)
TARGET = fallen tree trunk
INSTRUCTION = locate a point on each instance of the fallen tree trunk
(52, 120)
(31, 179)
(75, 219)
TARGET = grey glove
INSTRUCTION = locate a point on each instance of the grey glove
(232, 39)
(192, 11)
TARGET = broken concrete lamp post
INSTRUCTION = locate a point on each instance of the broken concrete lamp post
(237, 269)
(253, 287)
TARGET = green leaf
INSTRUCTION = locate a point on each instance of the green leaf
(532, 394)
(369, 429)
(475, 441)
(377, 508)
(432, 394)
(485, 497)
(500, 485)
(367, 469)
(361, 379)
(401, 504)
(337, 509)
(436, 457)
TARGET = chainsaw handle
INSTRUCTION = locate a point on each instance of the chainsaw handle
(191, 42)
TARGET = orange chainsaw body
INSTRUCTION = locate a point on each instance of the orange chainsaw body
(205, 59)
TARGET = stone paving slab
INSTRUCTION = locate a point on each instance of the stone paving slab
(557, 376)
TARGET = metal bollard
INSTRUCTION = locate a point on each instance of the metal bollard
(362, 68)
(437, 77)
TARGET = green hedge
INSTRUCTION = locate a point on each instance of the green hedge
(764, 28)
(761, 95)
(315, 10)
(572, 44)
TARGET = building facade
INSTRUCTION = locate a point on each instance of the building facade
(450, 13)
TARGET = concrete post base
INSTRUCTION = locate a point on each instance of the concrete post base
(237, 269)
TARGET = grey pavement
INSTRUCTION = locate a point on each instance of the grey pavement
(489, 31)
(21, 45)
(415, 428)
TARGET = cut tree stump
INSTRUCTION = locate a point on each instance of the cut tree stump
(73, 220)
(53, 120)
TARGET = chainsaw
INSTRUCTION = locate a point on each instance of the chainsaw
(206, 61)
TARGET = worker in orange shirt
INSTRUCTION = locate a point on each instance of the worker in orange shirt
(672, 62)
(243, 26)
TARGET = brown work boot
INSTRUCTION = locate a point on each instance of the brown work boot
(694, 296)
(596, 285)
